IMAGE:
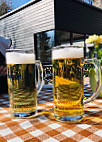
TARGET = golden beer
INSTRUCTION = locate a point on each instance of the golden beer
(68, 89)
(21, 84)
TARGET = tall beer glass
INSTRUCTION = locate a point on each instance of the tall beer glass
(68, 90)
(21, 72)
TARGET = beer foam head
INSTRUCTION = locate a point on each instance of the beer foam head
(20, 58)
(67, 52)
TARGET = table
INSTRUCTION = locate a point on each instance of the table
(45, 128)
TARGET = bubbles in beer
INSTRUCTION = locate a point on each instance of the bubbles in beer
(21, 84)
(68, 82)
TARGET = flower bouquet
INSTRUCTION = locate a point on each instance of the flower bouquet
(97, 53)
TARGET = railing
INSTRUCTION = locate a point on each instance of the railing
(47, 70)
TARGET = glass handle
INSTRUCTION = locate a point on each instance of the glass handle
(40, 78)
(97, 66)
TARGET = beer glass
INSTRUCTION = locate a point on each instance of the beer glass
(21, 76)
(68, 88)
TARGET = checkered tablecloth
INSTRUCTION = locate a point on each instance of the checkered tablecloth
(44, 128)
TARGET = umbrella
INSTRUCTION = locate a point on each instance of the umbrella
(4, 44)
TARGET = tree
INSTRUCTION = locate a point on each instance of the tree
(5, 6)
(44, 47)
(97, 3)
(90, 1)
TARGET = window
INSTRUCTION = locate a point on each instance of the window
(62, 37)
(44, 43)
(78, 39)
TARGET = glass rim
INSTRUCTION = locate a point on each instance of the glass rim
(20, 50)
(65, 46)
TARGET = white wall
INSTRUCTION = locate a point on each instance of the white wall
(21, 25)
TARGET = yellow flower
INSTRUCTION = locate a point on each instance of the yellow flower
(93, 39)
(87, 41)
(99, 40)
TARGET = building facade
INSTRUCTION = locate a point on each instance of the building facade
(42, 24)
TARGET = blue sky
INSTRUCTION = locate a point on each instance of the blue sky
(18, 3)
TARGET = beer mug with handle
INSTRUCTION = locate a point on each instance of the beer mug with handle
(68, 88)
(21, 76)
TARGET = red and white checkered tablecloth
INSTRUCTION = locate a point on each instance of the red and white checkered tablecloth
(44, 128)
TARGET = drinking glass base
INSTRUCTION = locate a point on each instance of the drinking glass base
(68, 119)
(23, 114)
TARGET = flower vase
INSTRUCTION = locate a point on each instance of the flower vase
(95, 53)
